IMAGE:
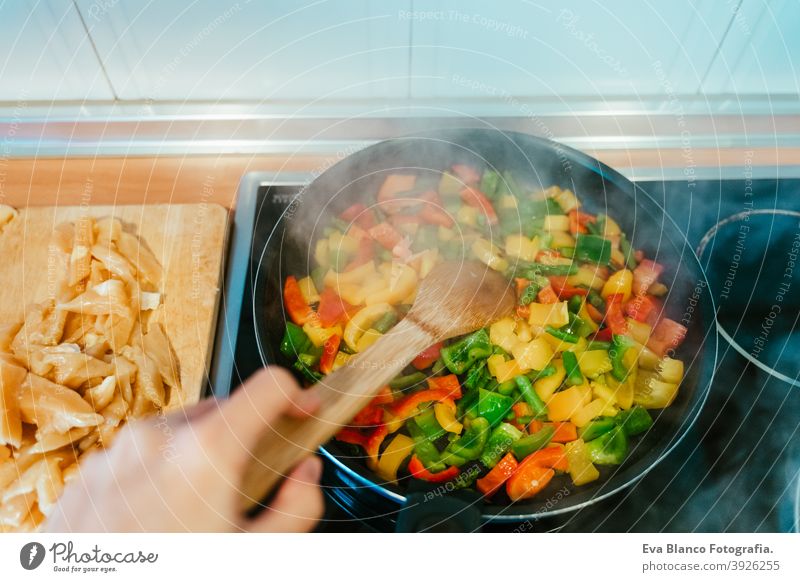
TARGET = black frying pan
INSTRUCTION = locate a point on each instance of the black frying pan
(289, 251)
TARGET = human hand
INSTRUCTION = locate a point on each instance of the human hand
(180, 472)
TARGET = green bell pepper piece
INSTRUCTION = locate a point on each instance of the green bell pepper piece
(619, 345)
(574, 304)
(634, 421)
(609, 448)
(563, 334)
(470, 445)
(574, 375)
(476, 377)
(489, 183)
(532, 443)
(303, 365)
(295, 341)
(530, 396)
(467, 406)
(430, 427)
(493, 406)
(425, 450)
(593, 248)
(499, 443)
(462, 354)
(596, 428)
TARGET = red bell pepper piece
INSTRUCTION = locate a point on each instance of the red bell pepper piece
(499, 474)
(467, 174)
(547, 295)
(667, 335)
(418, 470)
(645, 274)
(299, 311)
(329, 350)
(551, 457)
(332, 309)
(368, 416)
(564, 290)
(523, 311)
(578, 221)
(449, 384)
(564, 432)
(593, 312)
(373, 445)
(385, 396)
(404, 407)
(359, 214)
(528, 480)
(352, 436)
(477, 199)
(604, 335)
(614, 317)
(432, 211)
(522, 411)
(386, 235)
(535, 426)
(428, 356)
(644, 307)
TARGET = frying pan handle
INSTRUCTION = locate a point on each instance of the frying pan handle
(284, 443)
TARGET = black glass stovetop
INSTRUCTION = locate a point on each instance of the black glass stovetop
(737, 469)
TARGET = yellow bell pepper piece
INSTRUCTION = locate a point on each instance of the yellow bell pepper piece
(561, 239)
(489, 254)
(587, 277)
(467, 215)
(402, 282)
(671, 370)
(367, 339)
(623, 391)
(604, 392)
(545, 387)
(357, 276)
(617, 258)
(534, 355)
(562, 405)
(446, 417)
(501, 333)
(362, 321)
(585, 414)
(322, 253)
(581, 468)
(492, 363)
(555, 314)
(566, 199)
(556, 222)
(318, 334)
(651, 392)
(308, 289)
(521, 246)
(341, 360)
(393, 456)
(509, 370)
(619, 282)
(611, 228)
(638, 330)
(594, 363)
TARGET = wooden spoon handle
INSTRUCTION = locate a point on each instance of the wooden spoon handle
(343, 393)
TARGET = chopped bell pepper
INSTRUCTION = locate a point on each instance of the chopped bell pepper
(553, 457)
(373, 445)
(634, 421)
(448, 384)
(462, 354)
(597, 428)
(496, 478)
(667, 335)
(446, 416)
(477, 199)
(499, 443)
(562, 334)
(492, 406)
(405, 407)
(527, 481)
(393, 456)
(359, 214)
(295, 341)
(428, 356)
(403, 382)
(564, 432)
(489, 183)
(609, 448)
(581, 469)
(619, 345)
(615, 319)
(532, 443)
(645, 275)
(329, 351)
(426, 421)
(471, 444)
(332, 309)
(294, 302)
(418, 470)
(593, 248)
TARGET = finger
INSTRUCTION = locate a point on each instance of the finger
(236, 423)
(298, 506)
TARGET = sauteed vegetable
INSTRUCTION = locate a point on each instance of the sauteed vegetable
(562, 385)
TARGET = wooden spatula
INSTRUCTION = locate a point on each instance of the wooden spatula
(454, 299)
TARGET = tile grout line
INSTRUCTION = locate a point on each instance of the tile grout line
(96, 52)
(719, 49)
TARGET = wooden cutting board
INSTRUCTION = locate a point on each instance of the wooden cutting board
(188, 240)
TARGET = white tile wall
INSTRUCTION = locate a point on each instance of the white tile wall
(45, 54)
(281, 49)
(589, 48)
(761, 53)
